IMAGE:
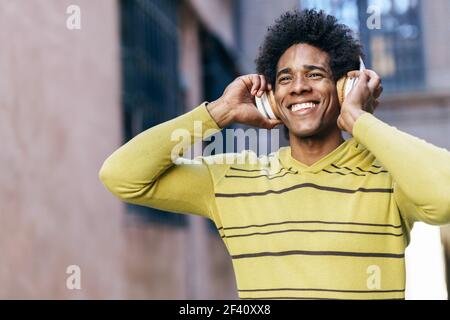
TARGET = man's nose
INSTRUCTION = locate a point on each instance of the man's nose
(300, 86)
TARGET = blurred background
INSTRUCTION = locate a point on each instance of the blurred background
(70, 97)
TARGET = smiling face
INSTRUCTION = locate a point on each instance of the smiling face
(306, 92)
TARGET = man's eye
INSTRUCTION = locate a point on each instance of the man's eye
(314, 75)
(284, 79)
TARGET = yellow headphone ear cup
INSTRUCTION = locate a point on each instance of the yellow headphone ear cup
(340, 86)
(273, 104)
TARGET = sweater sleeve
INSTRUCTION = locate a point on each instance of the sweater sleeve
(420, 170)
(148, 170)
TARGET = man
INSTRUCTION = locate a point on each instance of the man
(322, 219)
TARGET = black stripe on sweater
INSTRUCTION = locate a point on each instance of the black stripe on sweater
(312, 231)
(304, 185)
(319, 253)
(316, 222)
(322, 290)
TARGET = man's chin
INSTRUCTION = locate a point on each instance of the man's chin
(304, 134)
(308, 136)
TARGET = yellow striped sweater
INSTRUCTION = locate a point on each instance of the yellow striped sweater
(337, 229)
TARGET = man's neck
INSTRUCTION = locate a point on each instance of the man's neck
(311, 149)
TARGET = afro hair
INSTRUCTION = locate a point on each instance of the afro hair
(311, 27)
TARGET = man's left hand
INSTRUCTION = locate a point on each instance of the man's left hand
(361, 99)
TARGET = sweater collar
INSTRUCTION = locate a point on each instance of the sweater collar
(344, 150)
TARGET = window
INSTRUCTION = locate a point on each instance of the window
(151, 91)
(394, 50)
(345, 11)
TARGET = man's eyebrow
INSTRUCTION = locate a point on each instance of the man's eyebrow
(308, 67)
(285, 70)
(311, 67)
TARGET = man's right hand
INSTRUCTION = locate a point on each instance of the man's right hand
(237, 103)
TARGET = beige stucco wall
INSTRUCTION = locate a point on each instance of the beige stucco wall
(59, 118)
(258, 15)
(216, 16)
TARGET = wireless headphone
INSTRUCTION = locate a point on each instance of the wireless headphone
(267, 106)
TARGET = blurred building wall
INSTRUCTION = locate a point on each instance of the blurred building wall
(256, 17)
(59, 117)
(216, 16)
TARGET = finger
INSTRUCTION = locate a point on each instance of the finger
(362, 79)
(378, 91)
(256, 84)
(247, 82)
(374, 80)
(262, 86)
(371, 73)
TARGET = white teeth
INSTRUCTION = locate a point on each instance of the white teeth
(301, 106)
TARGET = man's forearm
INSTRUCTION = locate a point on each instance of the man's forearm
(420, 169)
(144, 158)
